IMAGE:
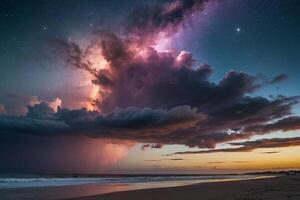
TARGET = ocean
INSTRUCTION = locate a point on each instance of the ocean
(25, 182)
(51, 188)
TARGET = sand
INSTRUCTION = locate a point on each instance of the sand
(278, 188)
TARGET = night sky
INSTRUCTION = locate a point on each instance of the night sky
(184, 86)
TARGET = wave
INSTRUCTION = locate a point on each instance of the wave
(9, 182)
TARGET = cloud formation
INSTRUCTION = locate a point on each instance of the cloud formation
(286, 124)
(251, 145)
(136, 76)
(279, 78)
(179, 125)
(151, 146)
(150, 124)
(156, 97)
(17, 105)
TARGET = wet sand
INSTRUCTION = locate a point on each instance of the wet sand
(278, 188)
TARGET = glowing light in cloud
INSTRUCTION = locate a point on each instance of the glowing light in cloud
(95, 62)
(55, 104)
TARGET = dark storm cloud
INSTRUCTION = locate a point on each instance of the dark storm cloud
(161, 79)
(158, 97)
(286, 124)
(146, 97)
(25, 125)
(242, 114)
(251, 145)
(40, 111)
(179, 125)
(279, 78)
(140, 124)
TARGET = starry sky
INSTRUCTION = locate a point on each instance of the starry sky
(184, 86)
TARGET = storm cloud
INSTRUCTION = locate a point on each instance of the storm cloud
(179, 125)
(279, 78)
(156, 97)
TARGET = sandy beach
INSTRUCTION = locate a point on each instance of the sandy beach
(278, 188)
(283, 187)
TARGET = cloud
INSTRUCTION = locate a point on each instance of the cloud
(179, 125)
(157, 79)
(143, 77)
(151, 146)
(250, 146)
(139, 124)
(152, 96)
(279, 78)
(18, 104)
(271, 152)
(286, 124)
(135, 78)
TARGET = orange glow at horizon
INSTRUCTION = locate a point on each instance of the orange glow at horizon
(284, 158)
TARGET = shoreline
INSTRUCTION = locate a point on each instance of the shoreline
(277, 188)
(257, 188)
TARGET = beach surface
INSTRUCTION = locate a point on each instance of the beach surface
(277, 188)
(286, 187)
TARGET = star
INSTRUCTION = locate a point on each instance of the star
(238, 29)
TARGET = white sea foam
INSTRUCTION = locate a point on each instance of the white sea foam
(54, 181)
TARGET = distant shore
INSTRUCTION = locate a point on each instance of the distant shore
(284, 187)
